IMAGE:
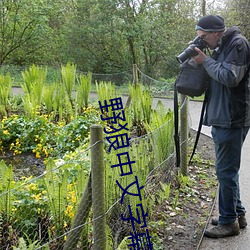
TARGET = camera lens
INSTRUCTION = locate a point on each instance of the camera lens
(187, 53)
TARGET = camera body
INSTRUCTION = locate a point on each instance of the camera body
(190, 51)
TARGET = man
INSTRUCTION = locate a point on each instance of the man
(228, 112)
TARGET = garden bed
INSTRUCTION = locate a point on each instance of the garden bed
(180, 221)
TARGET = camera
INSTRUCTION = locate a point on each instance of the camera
(190, 51)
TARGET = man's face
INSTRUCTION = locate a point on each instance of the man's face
(211, 38)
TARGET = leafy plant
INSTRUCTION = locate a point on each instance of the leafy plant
(34, 81)
(6, 184)
(48, 98)
(68, 74)
(105, 91)
(161, 129)
(165, 190)
(83, 91)
(5, 90)
(141, 103)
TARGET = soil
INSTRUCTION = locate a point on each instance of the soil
(25, 164)
(181, 220)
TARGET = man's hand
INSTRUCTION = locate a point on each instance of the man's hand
(200, 58)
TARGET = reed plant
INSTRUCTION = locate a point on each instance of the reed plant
(139, 152)
(62, 106)
(5, 90)
(141, 103)
(56, 184)
(161, 130)
(34, 80)
(6, 184)
(48, 97)
(83, 91)
(68, 74)
(106, 91)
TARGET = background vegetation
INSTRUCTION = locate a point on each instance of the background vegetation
(104, 36)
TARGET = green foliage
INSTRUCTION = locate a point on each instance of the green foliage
(68, 74)
(103, 36)
(161, 126)
(56, 183)
(6, 184)
(105, 91)
(55, 197)
(43, 137)
(29, 245)
(33, 85)
(5, 91)
(141, 103)
(48, 98)
(30, 206)
(124, 244)
(83, 91)
(164, 193)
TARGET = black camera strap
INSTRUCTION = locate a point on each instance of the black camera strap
(199, 127)
(176, 125)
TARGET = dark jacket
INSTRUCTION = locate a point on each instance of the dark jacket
(228, 103)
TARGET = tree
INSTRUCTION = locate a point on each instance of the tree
(237, 13)
(20, 22)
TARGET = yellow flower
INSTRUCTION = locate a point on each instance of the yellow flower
(31, 187)
(37, 196)
(38, 156)
(14, 209)
(69, 211)
(6, 132)
(73, 199)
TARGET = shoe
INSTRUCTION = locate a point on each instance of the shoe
(241, 219)
(221, 231)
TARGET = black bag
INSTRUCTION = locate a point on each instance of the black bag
(192, 80)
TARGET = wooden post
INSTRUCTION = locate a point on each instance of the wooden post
(184, 135)
(135, 74)
(135, 82)
(98, 187)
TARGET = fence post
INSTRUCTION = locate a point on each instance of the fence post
(184, 135)
(135, 74)
(135, 82)
(98, 188)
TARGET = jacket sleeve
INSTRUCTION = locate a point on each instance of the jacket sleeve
(234, 66)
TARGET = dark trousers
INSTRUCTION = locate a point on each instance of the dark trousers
(228, 145)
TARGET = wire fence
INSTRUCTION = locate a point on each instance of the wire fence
(56, 210)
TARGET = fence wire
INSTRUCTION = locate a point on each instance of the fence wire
(47, 210)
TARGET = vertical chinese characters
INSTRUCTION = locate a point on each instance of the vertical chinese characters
(117, 136)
